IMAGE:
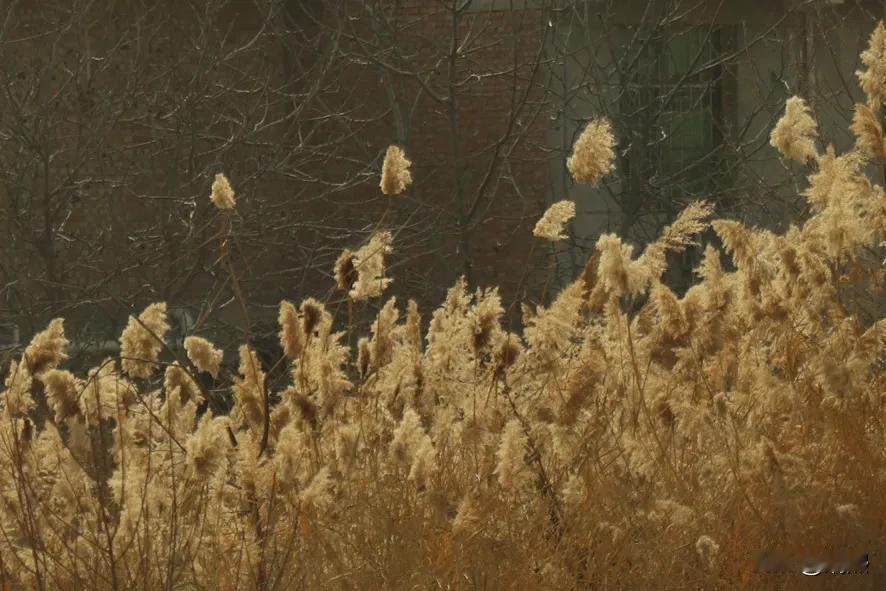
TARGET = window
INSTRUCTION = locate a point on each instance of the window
(676, 104)
(500, 5)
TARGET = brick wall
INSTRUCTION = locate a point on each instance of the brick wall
(480, 170)
(139, 108)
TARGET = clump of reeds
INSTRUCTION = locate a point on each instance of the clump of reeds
(678, 442)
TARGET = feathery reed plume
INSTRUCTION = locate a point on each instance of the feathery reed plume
(106, 393)
(345, 271)
(620, 274)
(511, 468)
(873, 80)
(868, 132)
(370, 264)
(676, 237)
(395, 175)
(836, 180)
(142, 341)
(312, 314)
(207, 446)
(292, 337)
(47, 348)
(413, 326)
(177, 379)
(347, 444)
(222, 195)
(17, 398)
(249, 389)
(508, 352)
(61, 393)
(593, 155)
(407, 437)
(424, 463)
(281, 415)
(671, 320)
(738, 241)
(318, 494)
(467, 516)
(364, 356)
(795, 133)
(204, 355)
(484, 319)
(550, 226)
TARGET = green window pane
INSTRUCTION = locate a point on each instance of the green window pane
(671, 103)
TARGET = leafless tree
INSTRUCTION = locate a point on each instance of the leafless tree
(113, 122)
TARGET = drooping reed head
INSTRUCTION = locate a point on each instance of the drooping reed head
(795, 133)
(395, 175)
(222, 195)
(551, 225)
(593, 155)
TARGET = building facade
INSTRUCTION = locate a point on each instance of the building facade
(115, 121)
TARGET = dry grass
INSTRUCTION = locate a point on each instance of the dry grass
(662, 449)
